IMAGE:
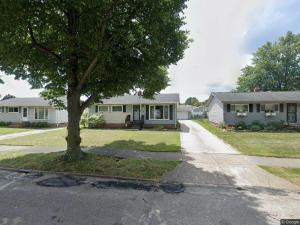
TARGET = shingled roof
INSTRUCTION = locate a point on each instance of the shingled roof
(34, 101)
(281, 96)
(134, 99)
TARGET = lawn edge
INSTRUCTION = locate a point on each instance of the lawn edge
(242, 153)
(81, 174)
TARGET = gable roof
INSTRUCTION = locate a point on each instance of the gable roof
(185, 108)
(34, 101)
(134, 99)
(280, 96)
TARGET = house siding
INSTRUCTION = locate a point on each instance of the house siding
(52, 116)
(230, 118)
(119, 117)
(215, 111)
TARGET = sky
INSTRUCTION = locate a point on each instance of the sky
(225, 33)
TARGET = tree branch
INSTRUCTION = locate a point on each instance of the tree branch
(87, 102)
(41, 47)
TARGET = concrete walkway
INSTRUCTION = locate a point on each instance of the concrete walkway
(26, 133)
(209, 161)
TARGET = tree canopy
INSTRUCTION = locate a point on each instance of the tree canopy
(8, 96)
(96, 49)
(192, 101)
(275, 66)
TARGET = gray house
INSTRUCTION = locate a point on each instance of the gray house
(230, 108)
(162, 110)
(19, 110)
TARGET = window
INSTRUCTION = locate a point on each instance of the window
(41, 113)
(159, 112)
(2, 109)
(239, 108)
(269, 107)
(102, 108)
(13, 109)
(117, 108)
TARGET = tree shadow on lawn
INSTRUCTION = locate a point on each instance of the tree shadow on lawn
(141, 146)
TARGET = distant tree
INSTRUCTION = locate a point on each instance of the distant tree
(192, 101)
(8, 96)
(91, 49)
(275, 67)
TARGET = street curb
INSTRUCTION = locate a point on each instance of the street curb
(81, 175)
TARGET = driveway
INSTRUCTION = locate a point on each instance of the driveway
(210, 161)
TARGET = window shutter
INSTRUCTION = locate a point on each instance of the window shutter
(257, 107)
(20, 108)
(124, 108)
(171, 112)
(228, 107)
(96, 108)
(250, 107)
(147, 112)
(281, 107)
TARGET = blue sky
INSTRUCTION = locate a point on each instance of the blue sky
(272, 21)
(225, 34)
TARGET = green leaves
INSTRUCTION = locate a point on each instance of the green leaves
(53, 43)
(275, 66)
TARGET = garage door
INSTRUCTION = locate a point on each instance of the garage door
(182, 115)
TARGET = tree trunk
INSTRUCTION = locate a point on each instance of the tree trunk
(73, 138)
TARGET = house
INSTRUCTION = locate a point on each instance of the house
(184, 112)
(36, 109)
(199, 111)
(159, 111)
(230, 108)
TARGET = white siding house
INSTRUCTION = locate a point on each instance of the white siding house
(36, 109)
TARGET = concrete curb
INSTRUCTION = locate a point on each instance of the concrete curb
(81, 175)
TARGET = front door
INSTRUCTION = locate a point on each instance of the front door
(25, 114)
(136, 112)
(292, 113)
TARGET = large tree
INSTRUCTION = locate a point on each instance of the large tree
(275, 66)
(192, 101)
(96, 49)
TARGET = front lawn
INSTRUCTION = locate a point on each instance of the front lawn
(291, 174)
(144, 140)
(92, 164)
(8, 130)
(276, 144)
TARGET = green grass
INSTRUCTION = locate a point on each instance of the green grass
(145, 140)
(92, 164)
(290, 174)
(275, 144)
(7, 130)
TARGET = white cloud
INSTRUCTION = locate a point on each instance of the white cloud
(19, 88)
(214, 59)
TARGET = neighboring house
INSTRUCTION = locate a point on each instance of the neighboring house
(36, 109)
(162, 110)
(184, 112)
(230, 108)
(199, 111)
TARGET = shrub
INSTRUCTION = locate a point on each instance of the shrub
(241, 126)
(91, 121)
(40, 124)
(256, 126)
(4, 124)
(274, 126)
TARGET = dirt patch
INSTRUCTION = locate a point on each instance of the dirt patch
(62, 181)
(166, 187)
